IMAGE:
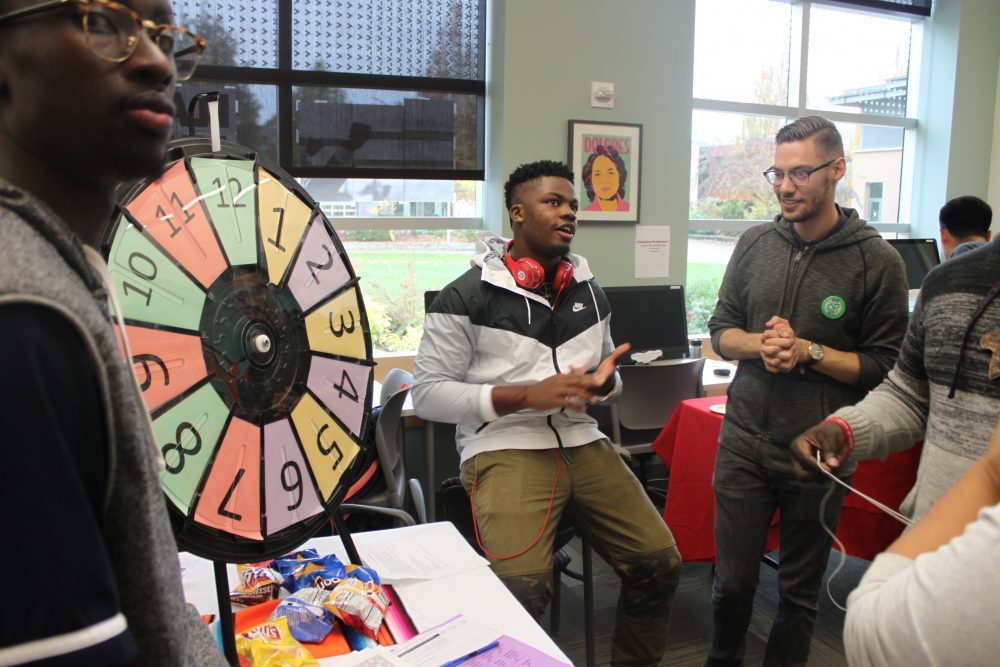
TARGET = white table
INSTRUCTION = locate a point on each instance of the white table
(475, 592)
(716, 385)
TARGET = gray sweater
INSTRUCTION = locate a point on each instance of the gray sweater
(43, 263)
(939, 390)
(846, 290)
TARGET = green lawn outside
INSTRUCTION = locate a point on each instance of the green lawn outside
(701, 293)
(393, 284)
(699, 272)
(386, 274)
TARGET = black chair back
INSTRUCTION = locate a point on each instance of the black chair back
(458, 510)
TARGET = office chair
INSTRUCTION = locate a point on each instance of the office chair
(458, 510)
(397, 379)
(391, 497)
(649, 395)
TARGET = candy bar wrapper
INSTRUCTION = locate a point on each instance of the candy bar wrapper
(359, 602)
(271, 645)
(258, 584)
(307, 569)
(307, 619)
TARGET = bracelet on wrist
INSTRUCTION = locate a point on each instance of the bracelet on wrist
(848, 434)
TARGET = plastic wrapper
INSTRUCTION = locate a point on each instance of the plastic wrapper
(307, 569)
(359, 601)
(258, 584)
(271, 645)
(307, 619)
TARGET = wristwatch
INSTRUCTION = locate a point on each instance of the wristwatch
(815, 354)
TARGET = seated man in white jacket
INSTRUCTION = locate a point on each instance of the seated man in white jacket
(513, 352)
(930, 598)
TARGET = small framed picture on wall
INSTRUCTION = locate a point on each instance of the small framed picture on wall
(606, 159)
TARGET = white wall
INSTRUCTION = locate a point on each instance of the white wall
(957, 107)
(993, 189)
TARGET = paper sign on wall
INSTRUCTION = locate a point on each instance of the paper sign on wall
(652, 252)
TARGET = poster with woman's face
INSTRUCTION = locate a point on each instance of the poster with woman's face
(605, 159)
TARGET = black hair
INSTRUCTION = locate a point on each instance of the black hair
(611, 153)
(828, 139)
(532, 171)
(967, 216)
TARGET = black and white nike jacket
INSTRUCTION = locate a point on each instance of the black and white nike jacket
(483, 330)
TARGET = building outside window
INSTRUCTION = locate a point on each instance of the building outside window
(874, 202)
(758, 65)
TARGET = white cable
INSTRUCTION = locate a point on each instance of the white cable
(840, 545)
(885, 508)
(836, 540)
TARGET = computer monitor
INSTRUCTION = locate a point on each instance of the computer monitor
(650, 318)
(919, 256)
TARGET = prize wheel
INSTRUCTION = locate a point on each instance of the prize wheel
(251, 346)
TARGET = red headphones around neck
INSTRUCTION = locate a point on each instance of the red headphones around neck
(529, 274)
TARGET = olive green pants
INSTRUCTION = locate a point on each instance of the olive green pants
(598, 493)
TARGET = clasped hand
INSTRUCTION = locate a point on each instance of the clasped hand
(779, 346)
(574, 390)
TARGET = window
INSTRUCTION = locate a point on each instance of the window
(345, 88)
(378, 108)
(874, 191)
(758, 65)
(404, 237)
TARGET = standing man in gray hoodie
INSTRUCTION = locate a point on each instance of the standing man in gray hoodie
(813, 305)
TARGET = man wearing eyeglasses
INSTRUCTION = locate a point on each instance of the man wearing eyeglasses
(813, 305)
(91, 565)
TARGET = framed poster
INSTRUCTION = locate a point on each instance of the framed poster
(606, 158)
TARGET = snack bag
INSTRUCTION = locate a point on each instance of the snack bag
(359, 600)
(272, 645)
(307, 569)
(258, 583)
(288, 564)
(307, 619)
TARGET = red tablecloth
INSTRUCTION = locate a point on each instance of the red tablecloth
(688, 444)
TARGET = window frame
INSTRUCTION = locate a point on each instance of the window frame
(284, 78)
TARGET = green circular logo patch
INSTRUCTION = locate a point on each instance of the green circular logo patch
(833, 307)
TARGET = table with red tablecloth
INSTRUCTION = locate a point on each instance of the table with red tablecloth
(688, 444)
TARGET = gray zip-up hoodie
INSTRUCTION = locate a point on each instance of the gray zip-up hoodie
(846, 291)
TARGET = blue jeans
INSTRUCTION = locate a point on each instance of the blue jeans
(747, 491)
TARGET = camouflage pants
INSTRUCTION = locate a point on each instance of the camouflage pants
(598, 493)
